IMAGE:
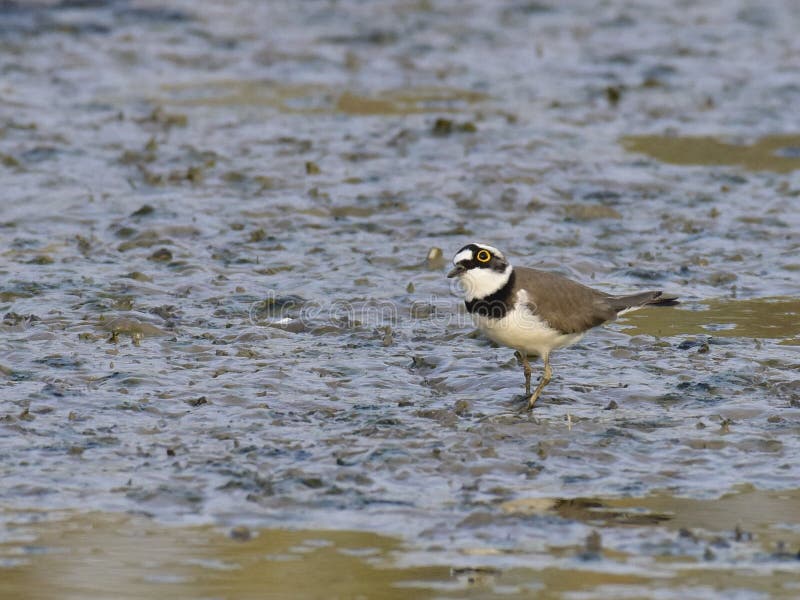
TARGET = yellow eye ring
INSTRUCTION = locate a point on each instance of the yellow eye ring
(483, 256)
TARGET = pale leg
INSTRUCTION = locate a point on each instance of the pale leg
(526, 367)
(548, 373)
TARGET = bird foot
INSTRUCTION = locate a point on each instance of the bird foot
(525, 400)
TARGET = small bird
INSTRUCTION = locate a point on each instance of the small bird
(535, 312)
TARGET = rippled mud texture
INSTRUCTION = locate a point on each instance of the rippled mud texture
(222, 304)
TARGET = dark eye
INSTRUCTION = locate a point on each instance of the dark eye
(483, 256)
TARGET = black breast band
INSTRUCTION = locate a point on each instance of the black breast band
(496, 305)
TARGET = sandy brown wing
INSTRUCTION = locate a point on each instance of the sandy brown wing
(565, 305)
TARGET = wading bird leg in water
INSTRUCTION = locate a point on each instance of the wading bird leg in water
(526, 367)
(548, 373)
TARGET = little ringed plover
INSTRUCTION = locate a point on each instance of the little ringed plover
(535, 312)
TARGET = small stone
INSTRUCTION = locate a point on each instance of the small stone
(258, 235)
(613, 94)
(161, 255)
(138, 276)
(435, 258)
(442, 127)
(145, 210)
(240, 533)
(9, 161)
(462, 407)
(611, 406)
(84, 245)
(42, 259)
(594, 542)
(197, 401)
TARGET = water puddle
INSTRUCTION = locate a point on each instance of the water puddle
(768, 318)
(779, 153)
(722, 545)
(776, 523)
(101, 555)
(321, 99)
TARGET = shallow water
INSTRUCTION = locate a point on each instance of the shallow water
(218, 309)
(779, 153)
(64, 555)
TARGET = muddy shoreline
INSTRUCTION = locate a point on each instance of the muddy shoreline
(219, 307)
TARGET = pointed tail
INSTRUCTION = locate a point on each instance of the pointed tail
(625, 303)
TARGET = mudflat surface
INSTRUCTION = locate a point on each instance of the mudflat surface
(218, 311)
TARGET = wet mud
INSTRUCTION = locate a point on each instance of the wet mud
(223, 239)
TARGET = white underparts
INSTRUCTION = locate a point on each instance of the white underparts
(524, 331)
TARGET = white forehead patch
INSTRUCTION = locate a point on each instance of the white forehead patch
(468, 255)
